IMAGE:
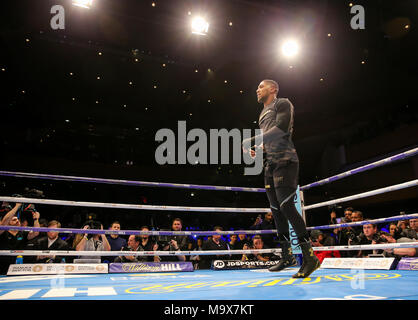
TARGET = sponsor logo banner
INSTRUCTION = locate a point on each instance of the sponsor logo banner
(237, 264)
(150, 267)
(56, 268)
(358, 263)
(408, 264)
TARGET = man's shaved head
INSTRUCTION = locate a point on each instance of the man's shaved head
(267, 91)
(273, 84)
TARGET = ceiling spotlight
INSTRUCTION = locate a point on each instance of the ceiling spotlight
(322, 79)
(136, 60)
(98, 78)
(351, 4)
(196, 70)
(200, 26)
(363, 62)
(153, 4)
(100, 53)
(130, 82)
(241, 91)
(290, 48)
(2, 69)
(67, 121)
(71, 73)
(83, 3)
(226, 81)
(329, 34)
(230, 23)
(164, 65)
(155, 87)
(407, 26)
(189, 13)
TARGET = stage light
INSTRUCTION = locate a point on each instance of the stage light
(200, 26)
(83, 3)
(290, 48)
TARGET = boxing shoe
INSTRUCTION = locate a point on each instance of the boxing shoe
(310, 261)
(287, 260)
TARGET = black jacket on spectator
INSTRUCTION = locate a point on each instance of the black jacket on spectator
(59, 244)
(9, 241)
(148, 247)
(236, 246)
(205, 261)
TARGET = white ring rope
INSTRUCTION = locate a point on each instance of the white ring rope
(128, 206)
(208, 252)
(404, 185)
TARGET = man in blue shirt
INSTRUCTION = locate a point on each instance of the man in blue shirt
(115, 241)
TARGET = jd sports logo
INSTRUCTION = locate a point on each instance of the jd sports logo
(219, 264)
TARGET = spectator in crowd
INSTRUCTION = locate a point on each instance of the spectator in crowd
(216, 243)
(4, 209)
(116, 242)
(173, 243)
(257, 244)
(333, 217)
(147, 244)
(394, 231)
(51, 241)
(43, 223)
(410, 231)
(12, 239)
(370, 235)
(242, 239)
(134, 244)
(92, 242)
(266, 224)
(347, 215)
(319, 239)
(177, 225)
(402, 225)
(196, 258)
(233, 241)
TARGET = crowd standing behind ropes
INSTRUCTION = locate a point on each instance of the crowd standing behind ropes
(27, 215)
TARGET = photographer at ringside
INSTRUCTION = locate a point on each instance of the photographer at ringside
(173, 243)
(349, 235)
(91, 242)
(370, 235)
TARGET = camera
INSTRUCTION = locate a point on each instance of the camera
(163, 241)
(92, 225)
(378, 238)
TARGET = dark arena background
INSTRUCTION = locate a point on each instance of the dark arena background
(88, 100)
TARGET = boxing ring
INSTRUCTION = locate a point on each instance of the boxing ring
(245, 284)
